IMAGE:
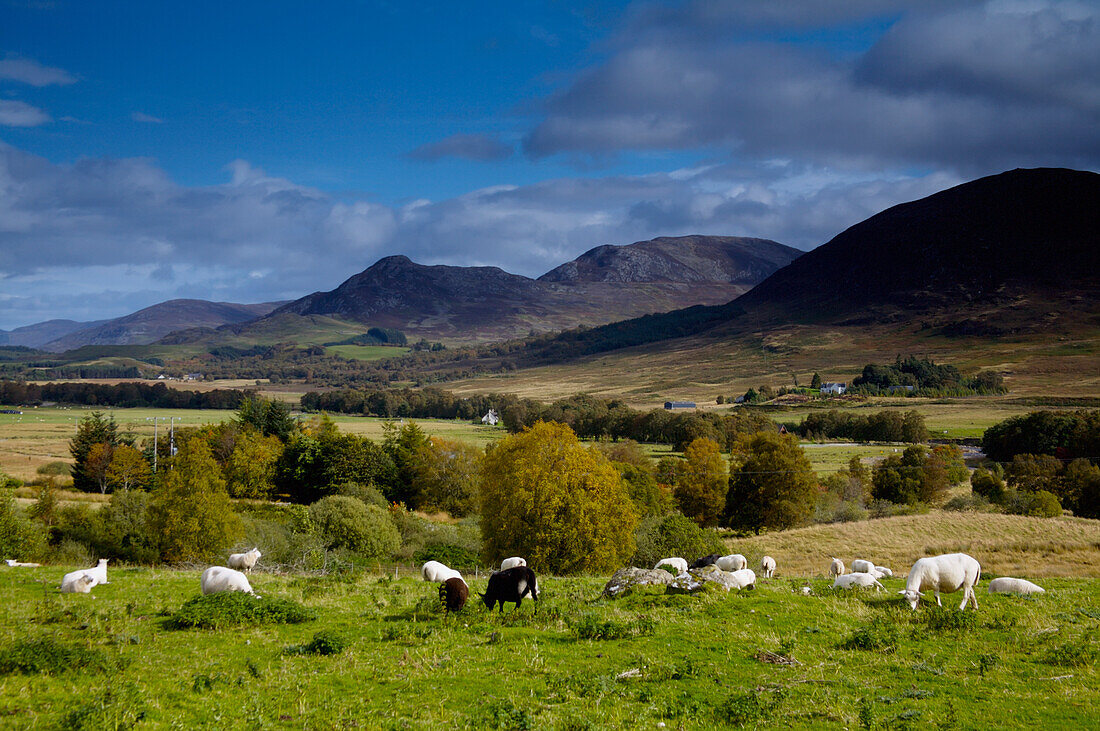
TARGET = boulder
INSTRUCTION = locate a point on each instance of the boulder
(685, 584)
(623, 580)
(713, 575)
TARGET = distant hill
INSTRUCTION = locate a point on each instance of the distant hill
(152, 323)
(40, 333)
(604, 284)
(1007, 254)
(736, 260)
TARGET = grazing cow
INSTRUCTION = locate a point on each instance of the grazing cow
(947, 573)
(511, 585)
(453, 593)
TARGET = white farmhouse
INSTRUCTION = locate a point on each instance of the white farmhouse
(834, 389)
(491, 418)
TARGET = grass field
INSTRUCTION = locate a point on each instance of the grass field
(365, 352)
(771, 656)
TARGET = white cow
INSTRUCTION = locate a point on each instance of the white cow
(947, 573)
(767, 567)
(732, 562)
(219, 578)
(1006, 585)
(245, 560)
(680, 564)
(836, 568)
(851, 581)
(511, 563)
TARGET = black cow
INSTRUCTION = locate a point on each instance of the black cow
(511, 585)
(704, 561)
(453, 594)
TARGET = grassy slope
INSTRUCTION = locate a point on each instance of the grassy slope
(410, 667)
(1010, 545)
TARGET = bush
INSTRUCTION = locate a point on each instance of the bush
(1038, 504)
(987, 485)
(673, 535)
(446, 553)
(54, 469)
(751, 707)
(325, 642)
(47, 656)
(943, 619)
(19, 537)
(590, 627)
(345, 522)
(236, 608)
(972, 502)
(880, 635)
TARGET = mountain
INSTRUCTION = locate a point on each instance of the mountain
(602, 285)
(736, 260)
(152, 323)
(1011, 254)
(40, 333)
(993, 240)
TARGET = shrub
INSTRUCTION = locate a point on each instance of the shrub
(236, 608)
(751, 707)
(325, 642)
(972, 502)
(345, 522)
(47, 656)
(591, 627)
(19, 537)
(446, 553)
(54, 469)
(880, 635)
(1038, 504)
(673, 535)
(987, 485)
(942, 619)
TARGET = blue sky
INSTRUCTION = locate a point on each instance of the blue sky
(259, 151)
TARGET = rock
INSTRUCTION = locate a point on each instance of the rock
(623, 580)
(713, 575)
(685, 584)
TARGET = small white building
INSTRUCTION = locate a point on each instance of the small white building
(492, 418)
(834, 389)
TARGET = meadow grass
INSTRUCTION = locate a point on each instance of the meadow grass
(365, 352)
(767, 656)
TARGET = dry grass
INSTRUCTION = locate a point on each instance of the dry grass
(1012, 545)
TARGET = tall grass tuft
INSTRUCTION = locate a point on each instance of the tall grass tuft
(47, 656)
(235, 608)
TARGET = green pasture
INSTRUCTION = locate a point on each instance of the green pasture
(769, 656)
(365, 352)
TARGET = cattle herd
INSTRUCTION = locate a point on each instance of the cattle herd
(945, 574)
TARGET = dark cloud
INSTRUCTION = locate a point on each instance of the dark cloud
(479, 148)
(971, 88)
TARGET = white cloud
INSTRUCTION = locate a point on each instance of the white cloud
(29, 71)
(100, 235)
(145, 118)
(15, 113)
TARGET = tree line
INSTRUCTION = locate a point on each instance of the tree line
(125, 395)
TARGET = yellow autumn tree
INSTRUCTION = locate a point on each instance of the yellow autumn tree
(701, 482)
(562, 506)
(191, 514)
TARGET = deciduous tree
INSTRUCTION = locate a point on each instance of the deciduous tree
(701, 482)
(771, 483)
(547, 497)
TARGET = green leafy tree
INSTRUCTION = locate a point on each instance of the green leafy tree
(564, 507)
(914, 476)
(701, 482)
(402, 444)
(951, 457)
(1081, 481)
(97, 463)
(250, 469)
(662, 536)
(1033, 472)
(191, 513)
(446, 475)
(815, 382)
(92, 430)
(19, 538)
(128, 469)
(771, 484)
(267, 416)
(988, 485)
(318, 460)
(348, 523)
(650, 497)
